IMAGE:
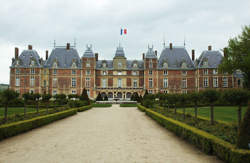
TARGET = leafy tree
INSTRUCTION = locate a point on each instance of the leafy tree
(7, 96)
(238, 55)
(236, 97)
(26, 97)
(145, 94)
(84, 96)
(195, 98)
(244, 131)
(45, 99)
(36, 97)
(99, 97)
(183, 99)
(210, 96)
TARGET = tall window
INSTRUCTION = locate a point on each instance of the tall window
(135, 83)
(165, 72)
(119, 83)
(54, 71)
(184, 83)
(73, 72)
(215, 71)
(225, 82)
(119, 73)
(150, 72)
(150, 83)
(88, 92)
(205, 82)
(134, 73)
(205, 71)
(88, 64)
(165, 82)
(32, 71)
(32, 81)
(73, 82)
(88, 72)
(17, 81)
(54, 83)
(87, 82)
(151, 64)
(215, 82)
(104, 83)
(54, 92)
(17, 71)
(44, 83)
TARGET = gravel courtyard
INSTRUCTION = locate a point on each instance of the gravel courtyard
(105, 135)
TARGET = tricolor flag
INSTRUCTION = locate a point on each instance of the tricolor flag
(123, 31)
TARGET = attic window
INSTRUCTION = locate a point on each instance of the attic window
(183, 65)
(17, 62)
(165, 65)
(73, 65)
(32, 63)
(54, 65)
(135, 65)
(205, 62)
(104, 65)
(119, 65)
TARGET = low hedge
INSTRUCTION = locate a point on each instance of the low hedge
(83, 108)
(208, 143)
(15, 128)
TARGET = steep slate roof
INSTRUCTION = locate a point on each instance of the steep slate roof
(109, 64)
(212, 57)
(119, 52)
(63, 57)
(174, 58)
(26, 57)
(140, 64)
(150, 53)
(88, 52)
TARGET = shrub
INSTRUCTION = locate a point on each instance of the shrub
(99, 97)
(77, 103)
(84, 96)
(128, 105)
(84, 108)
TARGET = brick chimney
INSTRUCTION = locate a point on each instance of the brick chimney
(225, 52)
(68, 46)
(16, 53)
(96, 56)
(209, 47)
(30, 47)
(171, 46)
(156, 53)
(143, 56)
(193, 54)
(47, 54)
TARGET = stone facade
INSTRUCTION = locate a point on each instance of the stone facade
(65, 72)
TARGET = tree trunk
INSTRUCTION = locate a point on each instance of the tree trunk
(47, 108)
(24, 110)
(195, 111)
(212, 114)
(5, 113)
(37, 107)
(239, 116)
(184, 113)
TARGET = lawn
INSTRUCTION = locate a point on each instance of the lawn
(17, 110)
(222, 113)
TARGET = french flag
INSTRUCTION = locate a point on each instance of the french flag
(123, 31)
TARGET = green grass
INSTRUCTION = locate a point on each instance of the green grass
(17, 110)
(102, 105)
(221, 113)
(128, 105)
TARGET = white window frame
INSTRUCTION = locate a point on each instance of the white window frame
(135, 83)
(87, 82)
(205, 82)
(184, 83)
(32, 71)
(119, 73)
(54, 82)
(104, 83)
(150, 83)
(119, 83)
(165, 72)
(205, 71)
(73, 82)
(225, 82)
(215, 71)
(17, 81)
(165, 82)
(32, 81)
(215, 82)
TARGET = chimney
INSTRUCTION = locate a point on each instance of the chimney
(16, 53)
(193, 55)
(47, 54)
(209, 47)
(68, 46)
(96, 56)
(30, 47)
(156, 52)
(143, 56)
(171, 46)
(225, 52)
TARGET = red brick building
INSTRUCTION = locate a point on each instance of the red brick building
(64, 71)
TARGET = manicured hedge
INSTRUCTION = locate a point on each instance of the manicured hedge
(208, 143)
(15, 128)
(83, 108)
(128, 105)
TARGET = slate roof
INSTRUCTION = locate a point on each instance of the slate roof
(212, 57)
(109, 64)
(150, 53)
(175, 57)
(26, 57)
(63, 57)
(88, 52)
(119, 52)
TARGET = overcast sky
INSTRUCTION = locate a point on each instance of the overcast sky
(98, 22)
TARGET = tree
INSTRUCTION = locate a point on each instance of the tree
(183, 99)
(237, 97)
(99, 97)
(244, 131)
(26, 97)
(36, 97)
(7, 96)
(45, 99)
(145, 94)
(84, 96)
(60, 99)
(238, 55)
(195, 98)
(210, 96)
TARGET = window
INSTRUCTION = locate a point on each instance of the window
(119, 73)
(32, 71)
(32, 63)
(215, 82)
(54, 83)
(73, 72)
(44, 83)
(165, 72)
(88, 72)
(150, 91)
(150, 83)
(135, 83)
(17, 71)
(73, 91)
(17, 81)
(239, 83)
(165, 82)
(87, 82)
(165, 65)
(104, 65)
(88, 92)
(54, 71)
(119, 65)
(73, 82)
(104, 83)
(215, 71)
(119, 83)
(184, 72)
(104, 72)
(87, 64)
(135, 65)
(150, 72)
(134, 73)
(54, 65)
(205, 71)
(225, 82)
(151, 64)
(184, 83)
(184, 91)
(205, 82)
(165, 91)
(32, 81)
(54, 92)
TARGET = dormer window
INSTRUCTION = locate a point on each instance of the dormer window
(205, 62)
(165, 65)
(32, 63)
(104, 65)
(73, 65)
(119, 65)
(183, 65)
(54, 65)
(135, 65)
(17, 63)
(150, 64)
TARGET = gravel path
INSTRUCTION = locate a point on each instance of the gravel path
(106, 135)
